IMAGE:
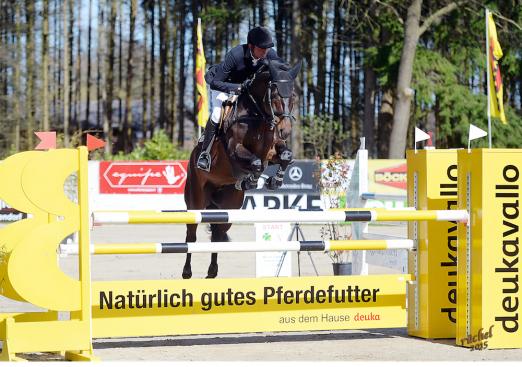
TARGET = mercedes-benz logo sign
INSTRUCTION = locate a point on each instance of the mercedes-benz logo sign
(295, 173)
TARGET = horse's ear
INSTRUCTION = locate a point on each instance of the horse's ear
(295, 70)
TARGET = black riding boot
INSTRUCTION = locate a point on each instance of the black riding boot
(204, 157)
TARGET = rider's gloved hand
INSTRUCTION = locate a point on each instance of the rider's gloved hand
(244, 86)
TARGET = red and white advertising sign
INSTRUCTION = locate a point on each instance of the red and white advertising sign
(394, 176)
(143, 177)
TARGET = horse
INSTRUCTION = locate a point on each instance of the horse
(250, 137)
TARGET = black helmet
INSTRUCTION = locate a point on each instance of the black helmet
(260, 37)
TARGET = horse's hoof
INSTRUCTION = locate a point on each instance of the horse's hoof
(187, 274)
(256, 165)
(273, 184)
(212, 271)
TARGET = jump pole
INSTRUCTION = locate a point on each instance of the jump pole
(209, 247)
(274, 216)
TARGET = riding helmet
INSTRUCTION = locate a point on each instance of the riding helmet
(260, 37)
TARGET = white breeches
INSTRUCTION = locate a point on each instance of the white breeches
(217, 99)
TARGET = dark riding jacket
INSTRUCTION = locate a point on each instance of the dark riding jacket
(235, 69)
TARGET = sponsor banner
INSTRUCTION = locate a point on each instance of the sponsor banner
(208, 306)
(283, 201)
(489, 293)
(387, 176)
(299, 177)
(8, 214)
(143, 177)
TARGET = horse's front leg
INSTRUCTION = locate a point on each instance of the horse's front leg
(256, 166)
(284, 157)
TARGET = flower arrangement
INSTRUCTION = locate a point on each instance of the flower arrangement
(333, 177)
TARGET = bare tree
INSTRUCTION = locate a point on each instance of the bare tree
(89, 36)
(127, 124)
(65, 12)
(16, 80)
(297, 133)
(78, 78)
(181, 80)
(29, 60)
(107, 126)
(45, 66)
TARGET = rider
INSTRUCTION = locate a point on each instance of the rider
(232, 77)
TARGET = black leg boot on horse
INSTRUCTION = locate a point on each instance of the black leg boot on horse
(204, 159)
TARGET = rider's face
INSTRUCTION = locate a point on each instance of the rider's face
(259, 53)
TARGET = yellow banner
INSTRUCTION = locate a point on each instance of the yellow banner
(495, 80)
(489, 292)
(201, 85)
(205, 306)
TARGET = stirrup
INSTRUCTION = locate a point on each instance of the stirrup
(204, 161)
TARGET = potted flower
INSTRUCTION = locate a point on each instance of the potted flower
(333, 179)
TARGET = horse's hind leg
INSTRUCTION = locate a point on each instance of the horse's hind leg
(219, 234)
(191, 237)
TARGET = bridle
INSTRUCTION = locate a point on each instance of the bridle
(270, 118)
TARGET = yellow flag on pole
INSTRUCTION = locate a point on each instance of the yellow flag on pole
(201, 85)
(495, 80)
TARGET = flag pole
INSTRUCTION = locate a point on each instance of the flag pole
(488, 78)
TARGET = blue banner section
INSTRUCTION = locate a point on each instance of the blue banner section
(300, 177)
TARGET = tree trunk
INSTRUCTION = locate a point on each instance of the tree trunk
(66, 75)
(297, 133)
(127, 125)
(107, 126)
(88, 102)
(370, 85)
(404, 93)
(145, 85)
(29, 59)
(152, 80)
(385, 122)
(336, 56)
(319, 100)
(70, 58)
(102, 37)
(78, 78)
(163, 61)
(355, 119)
(172, 73)
(181, 80)
(99, 64)
(45, 66)
(55, 65)
(16, 80)
(412, 31)
(120, 76)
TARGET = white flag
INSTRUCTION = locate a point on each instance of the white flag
(420, 135)
(475, 132)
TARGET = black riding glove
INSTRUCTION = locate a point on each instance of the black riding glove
(244, 86)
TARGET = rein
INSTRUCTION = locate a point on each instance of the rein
(270, 118)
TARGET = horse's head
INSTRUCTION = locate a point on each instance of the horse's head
(273, 91)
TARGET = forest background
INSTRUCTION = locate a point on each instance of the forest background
(124, 70)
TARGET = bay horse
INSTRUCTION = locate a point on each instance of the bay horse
(252, 136)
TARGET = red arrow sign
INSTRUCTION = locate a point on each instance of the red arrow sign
(48, 140)
(94, 143)
(148, 177)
